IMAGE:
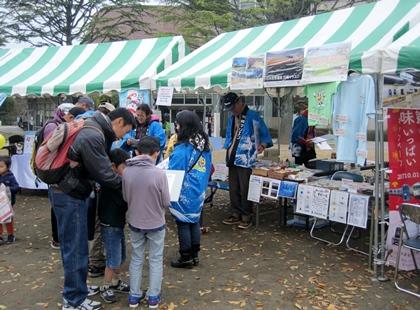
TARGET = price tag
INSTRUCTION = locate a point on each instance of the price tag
(342, 118)
(361, 153)
(340, 132)
(360, 136)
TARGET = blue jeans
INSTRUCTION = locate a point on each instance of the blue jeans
(156, 242)
(189, 239)
(114, 242)
(71, 216)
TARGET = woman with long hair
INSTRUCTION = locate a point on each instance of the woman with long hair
(191, 154)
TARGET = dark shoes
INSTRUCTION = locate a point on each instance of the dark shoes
(182, 263)
(231, 220)
(245, 225)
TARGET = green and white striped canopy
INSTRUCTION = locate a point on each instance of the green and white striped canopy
(368, 27)
(403, 54)
(87, 68)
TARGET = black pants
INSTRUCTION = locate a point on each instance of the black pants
(189, 239)
(54, 228)
(238, 192)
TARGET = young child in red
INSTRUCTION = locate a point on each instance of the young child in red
(8, 179)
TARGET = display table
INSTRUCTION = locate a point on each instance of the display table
(21, 168)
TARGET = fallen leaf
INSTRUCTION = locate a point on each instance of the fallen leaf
(298, 306)
(171, 306)
(331, 307)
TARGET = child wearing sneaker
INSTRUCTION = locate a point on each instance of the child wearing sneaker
(111, 211)
(9, 180)
(145, 188)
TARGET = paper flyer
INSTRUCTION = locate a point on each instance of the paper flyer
(358, 210)
(320, 202)
(304, 199)
(254, 191)
(338, 206)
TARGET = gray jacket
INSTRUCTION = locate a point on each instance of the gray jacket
(145, 188)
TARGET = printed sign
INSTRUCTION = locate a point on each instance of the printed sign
(404, 162)
(321, 198)
(254, 191)
(132, 98)
(326, 63)
(358, 210)
(304, 199)
(338, 206)
(29, 142)
(284, 68)
(164, 97)
(247, 72)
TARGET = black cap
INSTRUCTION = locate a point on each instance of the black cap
(229, 101)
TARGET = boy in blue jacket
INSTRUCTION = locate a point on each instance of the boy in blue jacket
(246, 136)
(8, 179)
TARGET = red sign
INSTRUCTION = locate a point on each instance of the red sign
(404, 153)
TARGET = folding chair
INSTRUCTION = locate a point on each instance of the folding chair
(408, 212)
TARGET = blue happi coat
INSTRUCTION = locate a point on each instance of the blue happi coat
(155, 129)
(191, 200)
(254, 130)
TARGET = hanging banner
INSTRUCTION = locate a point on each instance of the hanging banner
(327, 63)
(404, 162)
(284, 68)
(247, 72)
(132, 98)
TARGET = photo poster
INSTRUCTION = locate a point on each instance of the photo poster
(327, 63)
(358, 210)
(403, 148)
(29, 142)
(270, 188)
(247, 72)
(254, 190)
(288, 189)
(132, 98)
(304, 199)
(320, 202)
(339, 201)
(284, 68)
(175, 181)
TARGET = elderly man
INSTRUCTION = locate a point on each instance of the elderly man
(246, 135)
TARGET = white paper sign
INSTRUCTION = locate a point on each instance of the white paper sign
(319, 207)
(29, 142)
(175, 181)
(304, 199)
(338, 206)
(358, 210)
(220, 172)
(254, 191)
(164, 97)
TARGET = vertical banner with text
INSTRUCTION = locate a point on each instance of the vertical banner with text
(404, 162)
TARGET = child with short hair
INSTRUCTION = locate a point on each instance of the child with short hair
(145, 188)
(111, 211)
(8, 179)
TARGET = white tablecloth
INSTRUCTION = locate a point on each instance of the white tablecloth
(21, 168)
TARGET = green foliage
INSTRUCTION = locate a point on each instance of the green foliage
(65, 22)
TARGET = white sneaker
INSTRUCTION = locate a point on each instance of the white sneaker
(86, 305)
(92, 290)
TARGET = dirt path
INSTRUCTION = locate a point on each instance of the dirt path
(272, 268)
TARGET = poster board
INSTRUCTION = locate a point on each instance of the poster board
(255, 186)
(320, 202)
(247, 72)
(338, 206)
(284, 68)
(164, 97)
(358, 210)
(270, 188)
(175, 181)
(304, 199)
(132, 98)
(288, 189)
(326, 63)
(220, 172)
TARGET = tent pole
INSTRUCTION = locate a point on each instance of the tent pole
(279, 124)
(382, 276)
(374, 250)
